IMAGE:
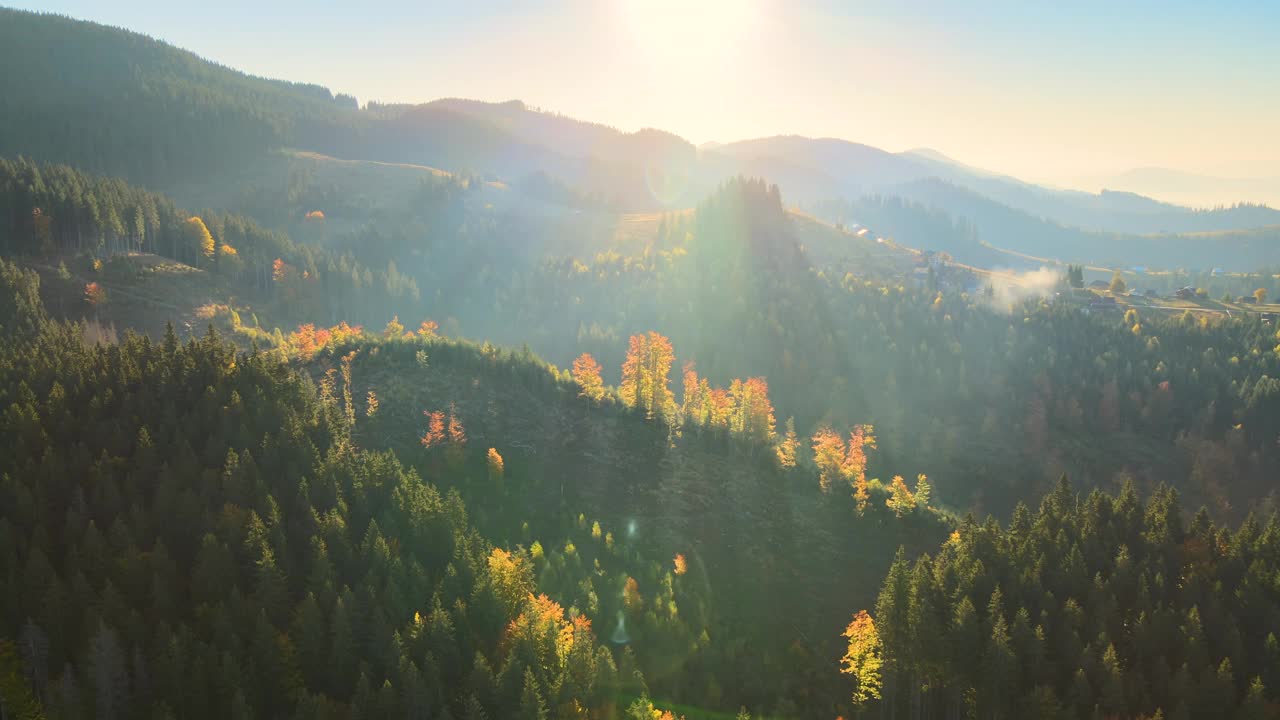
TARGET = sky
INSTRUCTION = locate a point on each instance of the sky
(1070, 94)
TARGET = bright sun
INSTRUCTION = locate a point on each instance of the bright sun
(689, 35)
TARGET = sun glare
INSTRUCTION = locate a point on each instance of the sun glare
(689, 35)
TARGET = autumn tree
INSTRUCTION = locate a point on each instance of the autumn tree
(719, 406)
(645, 375)
(861, 439)
(511, 578)
(394, 329)
(1117, 286)
(788, 446)
(496, 467)
(828, 455)
(95, 295)
(631, 597)
(586, 372)
(862, 658)
(428, 329)
(198, 237)
(1260, 295)
(435, 429)
(753, 413)
(900, 499)
(693, 409)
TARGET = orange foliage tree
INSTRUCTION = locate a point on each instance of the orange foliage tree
(631, 597)
(95, 295)
(435, 429)
(586, 372)
(645, 375)
(308, 339)
(836, 459)
(543, 634)
(855, 464)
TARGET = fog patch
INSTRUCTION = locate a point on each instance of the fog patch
(1009, 288)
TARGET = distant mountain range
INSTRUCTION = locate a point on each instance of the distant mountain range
(1189, 188)
(119, 103)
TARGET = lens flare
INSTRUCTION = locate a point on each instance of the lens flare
(619, 636)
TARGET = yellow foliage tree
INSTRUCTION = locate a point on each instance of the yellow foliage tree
(199, 237)
(900, 499)
(753, 413)
(788, 446)
(1117, 286)
(828, 455)
(394, 329)
(511, 578)
(496, 466)
(862, 657)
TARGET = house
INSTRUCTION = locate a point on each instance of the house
(1218, 272)
(1099, 284)
(1104, 303)
(1185, 293)
(1247, 300)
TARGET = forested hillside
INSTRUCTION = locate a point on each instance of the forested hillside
(702, 555)
(285, 564)
(1093, 606)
